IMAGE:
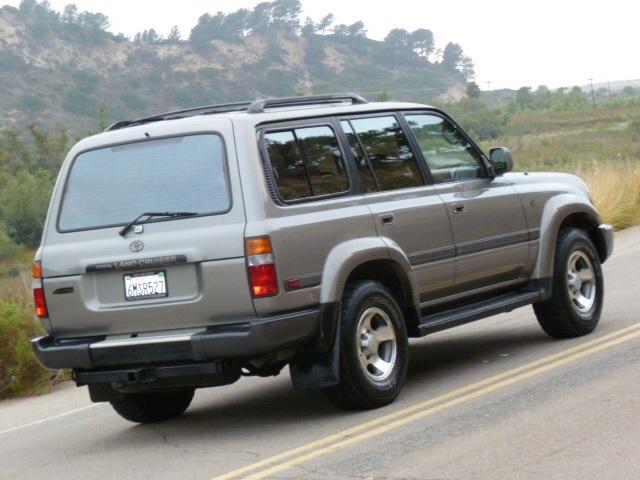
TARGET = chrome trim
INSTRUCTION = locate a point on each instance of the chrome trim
(146, 338)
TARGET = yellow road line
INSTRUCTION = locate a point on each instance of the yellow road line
(279, 462)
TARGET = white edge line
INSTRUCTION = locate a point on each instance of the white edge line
(42, 420)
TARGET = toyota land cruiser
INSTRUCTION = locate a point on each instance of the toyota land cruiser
(187, 249)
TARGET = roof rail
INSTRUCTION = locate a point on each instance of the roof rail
(204, 110)
(259, 106)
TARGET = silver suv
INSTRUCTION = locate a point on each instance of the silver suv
(187, 249)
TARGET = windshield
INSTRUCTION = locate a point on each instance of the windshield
(110, 186)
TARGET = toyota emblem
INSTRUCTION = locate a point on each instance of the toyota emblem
(136, 246)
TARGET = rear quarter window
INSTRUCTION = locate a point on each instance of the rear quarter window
(111, 186)
(306, 162)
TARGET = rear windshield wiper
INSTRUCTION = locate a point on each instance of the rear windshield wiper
(150, 215)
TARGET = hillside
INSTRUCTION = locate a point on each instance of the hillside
(63, 69)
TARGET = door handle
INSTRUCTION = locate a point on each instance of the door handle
(458, 208)
(387, 218)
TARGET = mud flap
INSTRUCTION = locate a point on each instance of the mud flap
(321, 369)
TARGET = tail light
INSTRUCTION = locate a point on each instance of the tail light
(38, 292)
(261, 267)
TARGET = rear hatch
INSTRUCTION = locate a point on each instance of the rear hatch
(166, 272)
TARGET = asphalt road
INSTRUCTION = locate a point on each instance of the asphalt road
(494, 399)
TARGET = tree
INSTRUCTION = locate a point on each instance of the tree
(260, 18)
(356, 30)
(524, 99)
(325, 23)
(467, 68)
(94, 21)
(473, 90)
(398, 40)
(28, 6)
(24, 199)
(235, 25)
(454, 60)
(286, 15)
(423, 42)
(341, 30)
(174, 35)
(452, 56)
(542, 97)
(70, 14)
(148, 37)
(308, 29)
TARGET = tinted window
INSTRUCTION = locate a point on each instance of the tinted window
(306, 162)
(388, 152)
(113, 185)
(448, 154)
(366, 173)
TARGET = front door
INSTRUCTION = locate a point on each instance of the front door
(487, 217)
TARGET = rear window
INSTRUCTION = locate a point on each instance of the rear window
(111, 186)
(306, 162)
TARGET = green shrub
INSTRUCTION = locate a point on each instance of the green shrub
(634, 125)
(80, 103)
(20, 372)
(9, 252)
(31, 103)
(24, 199)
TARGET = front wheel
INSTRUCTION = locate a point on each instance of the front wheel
(153, 407)
(578, 288)
(373, 348)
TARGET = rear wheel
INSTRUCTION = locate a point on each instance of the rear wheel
(373, 348)
(578, 288)
(153, 407)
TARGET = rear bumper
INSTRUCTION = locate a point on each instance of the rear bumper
(248, 339)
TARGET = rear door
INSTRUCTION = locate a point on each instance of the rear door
(166, 273)
(487, 217)
(405, 210)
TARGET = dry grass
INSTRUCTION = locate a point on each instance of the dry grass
(616, 192)
(602, 147)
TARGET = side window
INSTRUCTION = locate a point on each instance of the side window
(387, 152)
(448, 154)
(366, 172)
(306, 162)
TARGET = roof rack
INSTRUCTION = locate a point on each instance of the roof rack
(257, 106)
(187, 112)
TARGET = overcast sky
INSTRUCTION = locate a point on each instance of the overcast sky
(512, 43)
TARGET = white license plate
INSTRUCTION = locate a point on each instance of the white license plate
(140, 286)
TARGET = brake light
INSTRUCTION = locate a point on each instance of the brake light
(263, 278)
(38, 291)
(40, 302)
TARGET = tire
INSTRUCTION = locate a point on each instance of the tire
(577, 295)
(153, 407)
(371, 328)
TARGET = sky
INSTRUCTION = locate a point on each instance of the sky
(513, 43)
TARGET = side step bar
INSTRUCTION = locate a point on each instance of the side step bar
(436, 322)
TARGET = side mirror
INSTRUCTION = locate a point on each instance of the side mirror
(501, 160)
